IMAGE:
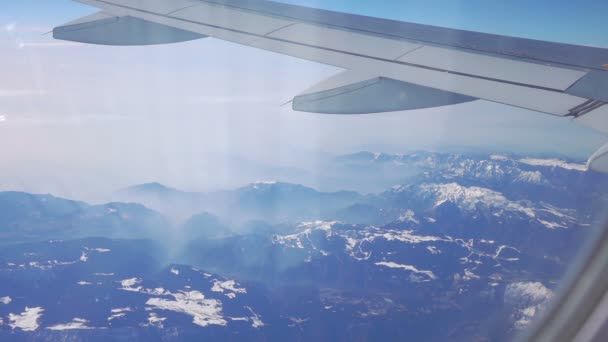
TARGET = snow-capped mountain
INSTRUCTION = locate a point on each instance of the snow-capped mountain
(560, 181)
(479, 203)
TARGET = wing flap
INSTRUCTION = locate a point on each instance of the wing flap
(371, 95)
(104, 29)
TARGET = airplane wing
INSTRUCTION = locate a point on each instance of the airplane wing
(389, 65)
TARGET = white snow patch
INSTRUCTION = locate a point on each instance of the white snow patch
(297, 321)
(130, 282)
(204, 311)
(84, 257)
(266, 182)
(528, 299)
(262, 184)
(499, 157)
(83, 283)
(154, 320)
(469, 275)
(119, 313)
(355, 239)
(75, 324)
(116, 316)
(408, 216)
(27, 320)
(502, 248)
(228, 285)
(552, 225)
(128, 285)
(433, 250)
(306, 229)
(410, 268)
(175, 271)
(534, 177)
(255, 319)
(101, 250)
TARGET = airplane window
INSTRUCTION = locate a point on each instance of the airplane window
(300, 170)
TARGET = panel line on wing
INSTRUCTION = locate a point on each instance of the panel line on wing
(407, 53)
(279, 29)
(181, 9)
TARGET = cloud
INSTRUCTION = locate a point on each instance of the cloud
(44, 44)
(229, 99)
(62, 120)
(10, 27)
(13, 27)
(21, 92)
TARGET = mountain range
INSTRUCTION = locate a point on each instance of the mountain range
(473, 244)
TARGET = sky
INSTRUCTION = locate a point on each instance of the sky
(77, 120)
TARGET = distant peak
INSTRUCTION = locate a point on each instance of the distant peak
(270, 184)
(150, 187)
(265, 182)
(276, 185)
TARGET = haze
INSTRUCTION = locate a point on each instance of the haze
(80, 121)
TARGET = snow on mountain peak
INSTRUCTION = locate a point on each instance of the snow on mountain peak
(318, 225)
(472, 199)
(554, 163)
(469, 198)
(533, 177)
(263, 183)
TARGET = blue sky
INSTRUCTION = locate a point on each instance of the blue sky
(76, 114)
